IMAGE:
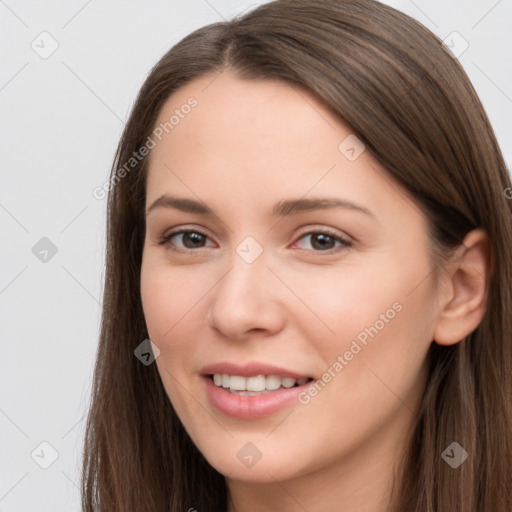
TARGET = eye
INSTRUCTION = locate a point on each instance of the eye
(185, 239)
(319, 241)
(324, 241)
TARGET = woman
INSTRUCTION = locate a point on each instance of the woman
(307, 217)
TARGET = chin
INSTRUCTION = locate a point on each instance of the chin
(243, 464)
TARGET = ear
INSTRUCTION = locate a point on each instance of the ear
(464, 290)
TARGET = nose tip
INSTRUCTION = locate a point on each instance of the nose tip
(246, 301)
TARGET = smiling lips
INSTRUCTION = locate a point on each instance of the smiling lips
(251, 391)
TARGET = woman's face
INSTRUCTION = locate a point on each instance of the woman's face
(303, 264)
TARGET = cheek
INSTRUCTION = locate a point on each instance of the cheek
(170, 302)
(377, 318)
(169, 296)
(374, 363)
(171, 305)
(343, 303)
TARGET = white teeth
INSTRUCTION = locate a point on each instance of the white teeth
(255, 383)
(251, 386)
(288, 382)
(237, 383)
(272, 382)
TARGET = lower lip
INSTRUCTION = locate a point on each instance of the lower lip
(250, 407)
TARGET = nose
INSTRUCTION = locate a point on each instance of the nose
(249, 299)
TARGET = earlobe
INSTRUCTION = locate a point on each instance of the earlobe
(466, 288)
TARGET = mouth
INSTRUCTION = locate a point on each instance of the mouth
(257, 394)
(256, 385)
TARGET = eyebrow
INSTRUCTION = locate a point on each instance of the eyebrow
(282, 208)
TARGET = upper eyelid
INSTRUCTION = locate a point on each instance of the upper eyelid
(330, 231)
(178, 230)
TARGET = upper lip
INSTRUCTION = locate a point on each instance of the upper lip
(249, 370)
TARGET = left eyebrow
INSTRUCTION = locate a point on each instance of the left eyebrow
(282, 208)
(294, 206)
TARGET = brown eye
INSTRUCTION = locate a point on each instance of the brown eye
(185, 239)
(321, 241)
(192, 239)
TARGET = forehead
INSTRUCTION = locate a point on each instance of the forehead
(264, 126)
(230, 112)
(246, 141)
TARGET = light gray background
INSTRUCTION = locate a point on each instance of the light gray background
(61, 118)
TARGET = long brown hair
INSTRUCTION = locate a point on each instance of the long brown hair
(410, 102)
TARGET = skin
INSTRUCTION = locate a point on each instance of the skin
(246, 146)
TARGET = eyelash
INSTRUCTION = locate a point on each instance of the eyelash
(343, 241)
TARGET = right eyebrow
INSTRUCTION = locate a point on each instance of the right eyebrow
(183, 204)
